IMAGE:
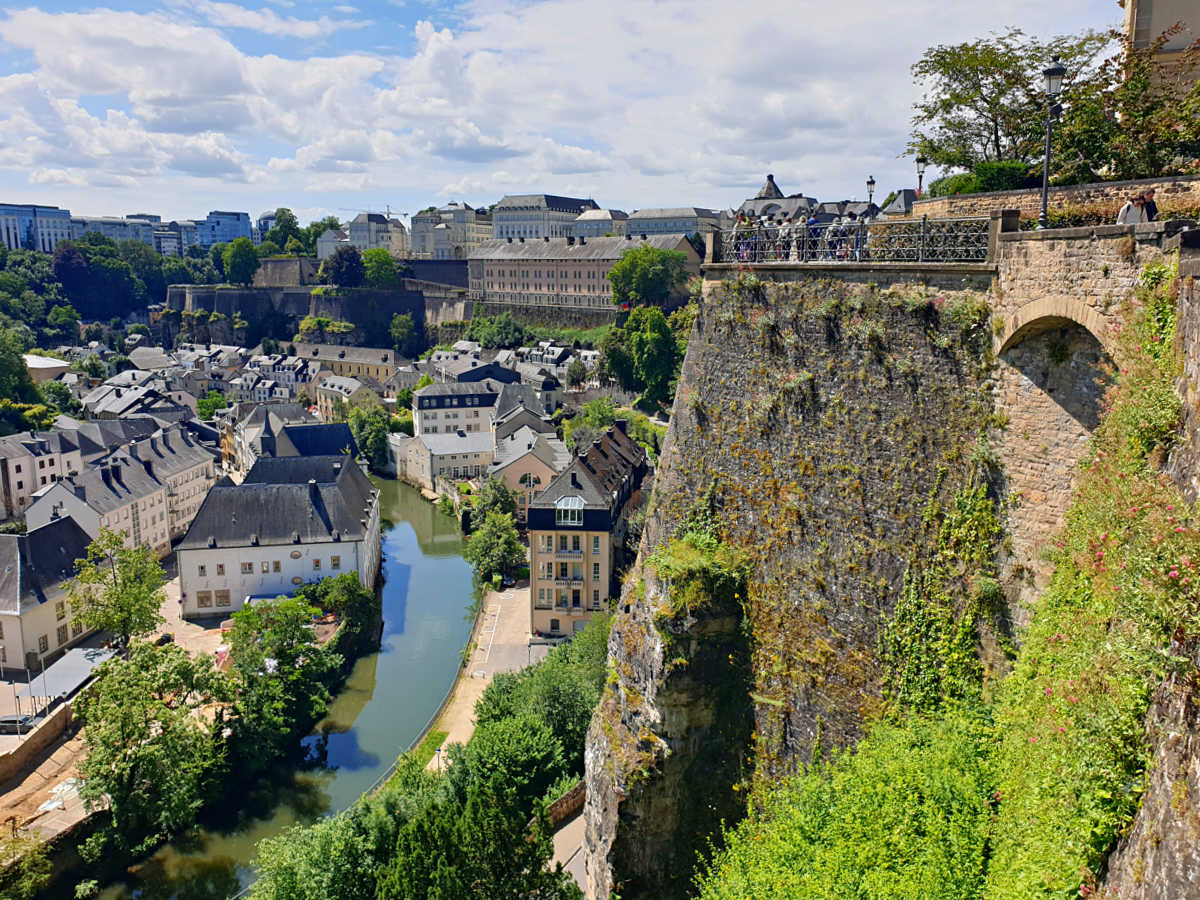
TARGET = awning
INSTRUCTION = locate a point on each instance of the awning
(67, 675)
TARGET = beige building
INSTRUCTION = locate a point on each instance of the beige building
(449, 232)
(337, 395)
(44, 368)
(527, 461)
(1147, 20)
(576, 528)
(378, 362)
(559, 272)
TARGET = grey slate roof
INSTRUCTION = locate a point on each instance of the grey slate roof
(111, 485)
(32, 565)
(546, 201)
(277, 505)
(769, 190)
(367, 356)
(599, 474)
(602, 215)
(673, 212)
(559, 248)
(450, 388)
(324, 439)
(458, 442)
(546, 447)
(168, 452)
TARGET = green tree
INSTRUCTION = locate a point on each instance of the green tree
(404, 335)
(294, 247)
(148, 750)
(493, 497)
(240, 261)
(29, 870)
(646, 275)
(216, 255)
(344, 268)
(146, 265)
(379, 269)
(617, 358)
(315, 229)
(592, 420)
(983, 99)
(655, 353)
(267, 248)
(59, 396)
(94, 366)
(495, 547)
(369, 426)
(207, 406)
(286, 227)
(576, 373)
(118, 589)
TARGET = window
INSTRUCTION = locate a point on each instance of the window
(562, 542)
(275, 566)
(41, 464)
(575, 542)
(595, 571)
(595, 599)
(569, 511)
(76, 628)
(335, 562)
(201, 571)
(247, 568)
(595, 543)
(316, 565)
(266, 567)
(220, 568)
(1, 631)
(204, 599)
(562, 570)
(60, 610)
(43, 644)
(17, 468)
(223, 598)
(543, 600)
(61, 634)
(575, 600)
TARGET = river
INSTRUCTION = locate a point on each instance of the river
(386, 702)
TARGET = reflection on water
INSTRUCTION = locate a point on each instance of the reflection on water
(387, 700)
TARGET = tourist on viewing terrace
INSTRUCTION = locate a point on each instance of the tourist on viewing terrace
(1150, 206)
(1133, 212)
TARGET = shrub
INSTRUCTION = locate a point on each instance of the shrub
(962, 183)
(1005, 175)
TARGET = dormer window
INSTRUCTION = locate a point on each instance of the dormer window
(568, 511)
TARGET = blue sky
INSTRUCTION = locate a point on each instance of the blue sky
(184, 106)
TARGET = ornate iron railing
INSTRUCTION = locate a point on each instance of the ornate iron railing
(912, 240)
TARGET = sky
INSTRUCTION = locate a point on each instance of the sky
(184, 106)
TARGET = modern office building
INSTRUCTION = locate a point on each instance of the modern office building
(33, 227)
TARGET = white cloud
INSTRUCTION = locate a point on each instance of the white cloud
(266, 21)
(644, 103)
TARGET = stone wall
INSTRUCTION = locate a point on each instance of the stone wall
(826, 415)
(1185, 461)
(1181, 193)
(286, 271)
(558, 316)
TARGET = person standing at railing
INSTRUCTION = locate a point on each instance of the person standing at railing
(1150, 206)
(770, 241)
(741, 238)
(1133, 212)
(787, 232)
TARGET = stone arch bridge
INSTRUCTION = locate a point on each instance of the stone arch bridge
(1057, 297)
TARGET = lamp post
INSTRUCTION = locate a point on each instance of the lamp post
(922, 162)
(870, 188)
(1053, 76)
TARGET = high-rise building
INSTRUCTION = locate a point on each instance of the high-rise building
(33, 226)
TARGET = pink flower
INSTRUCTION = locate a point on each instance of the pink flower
(1178, 529)
(1173, 574)
(1073, 699)
(1049, 692)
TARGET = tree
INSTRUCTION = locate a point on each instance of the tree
(370, 429)
(30, 868)
(655, 353)
(379, 269)
(148, 751)
(71, 268)
(495, 547)
(493, 497)
(983, 99)
(146, 265)
(315, 229)
(240, 261)
(216, 255)
(646, 275)
(294, 247)
(118, 589)
(404, 334)
(592, 420)
(267, 248)
(94, 367)
(576, 372)
(344, 268)
(286, 227)
(59, 396)
(617, 359)
(207, 405)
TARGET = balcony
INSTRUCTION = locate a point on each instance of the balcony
(575, 554)
(568, 582)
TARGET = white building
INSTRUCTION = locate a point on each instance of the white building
(538, 215)
(674, 220)
(329, 240)
(372, 231)
(449, 232)
(35, 612)
(292, 521)
(594, 223)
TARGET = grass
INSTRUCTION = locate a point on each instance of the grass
(424, 751)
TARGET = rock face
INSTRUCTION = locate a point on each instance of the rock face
(821, 420)
(1160, 857)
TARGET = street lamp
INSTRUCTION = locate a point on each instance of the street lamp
(922, 162)
(870, 188)
(1053, 76)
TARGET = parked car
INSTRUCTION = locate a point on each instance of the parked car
(16, 724)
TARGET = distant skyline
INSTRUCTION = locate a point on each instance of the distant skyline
(185, 106)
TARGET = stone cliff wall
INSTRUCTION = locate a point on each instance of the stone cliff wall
(826, 415)
(1182, 192)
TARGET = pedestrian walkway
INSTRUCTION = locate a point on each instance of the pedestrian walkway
(499, 643)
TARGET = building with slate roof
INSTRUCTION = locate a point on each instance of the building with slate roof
(336, 395)
(35, 612)
(31, 460)
(449, 232)
(149, 489)
(674, 220)
(242, 424)
(535, 216)
(576, 529)
(559, 272)
(600, 223)
(527, 459)
(378, 362)
(292, 521)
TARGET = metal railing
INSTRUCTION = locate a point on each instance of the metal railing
(962, 240)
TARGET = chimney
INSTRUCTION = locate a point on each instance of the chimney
(622, 425)
(575, 481)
